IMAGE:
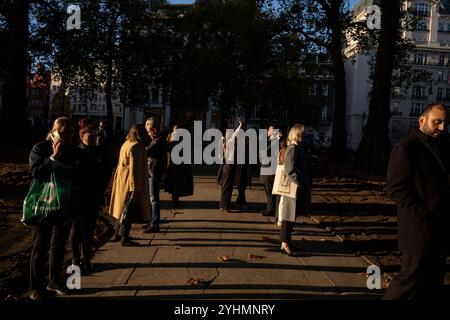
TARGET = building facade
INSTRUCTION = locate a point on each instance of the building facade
(430, 57)
(78, 103)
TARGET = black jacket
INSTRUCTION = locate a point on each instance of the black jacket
(41, 169)
(95, 173)
(417, 180)
(157, 156)
(41, 165)
(296, 166)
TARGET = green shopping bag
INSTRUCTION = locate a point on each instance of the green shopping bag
(45, 199)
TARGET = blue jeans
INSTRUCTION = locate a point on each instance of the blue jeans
(154, 182)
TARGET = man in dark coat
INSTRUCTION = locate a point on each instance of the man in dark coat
(157, 166)
(268, 180)
(417, 180)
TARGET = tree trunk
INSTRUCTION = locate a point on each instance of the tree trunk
(338, 149)
(375, 147)
(109, 80)
(14, 118)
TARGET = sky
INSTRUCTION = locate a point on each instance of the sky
(352, 2)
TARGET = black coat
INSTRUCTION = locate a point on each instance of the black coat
(417, 180)
(95, 174)
(179, 179)
(41, 169)
(296, 166)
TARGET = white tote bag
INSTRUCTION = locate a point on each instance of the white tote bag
(283, 185)
(286, 209)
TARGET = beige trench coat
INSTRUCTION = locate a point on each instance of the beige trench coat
(131, 176)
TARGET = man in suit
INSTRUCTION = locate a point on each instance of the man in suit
(417, 180)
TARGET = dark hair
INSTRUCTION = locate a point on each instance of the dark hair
(429, 107)
(137, 133)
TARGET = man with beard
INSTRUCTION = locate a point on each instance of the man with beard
(417, 180)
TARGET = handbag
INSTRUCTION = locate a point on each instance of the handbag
(130, 212)
(48, 200)
(283, 184)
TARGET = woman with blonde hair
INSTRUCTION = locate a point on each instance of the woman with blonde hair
(50, 233)
(296, 167)
(131, 181)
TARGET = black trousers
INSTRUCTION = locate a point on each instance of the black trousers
(286, 231)
(268, 186)
(242, 186)
(419, 278)
(228, 173)
(49, 245)
(82, 233)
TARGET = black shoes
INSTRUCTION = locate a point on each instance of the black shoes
(289, 251)
(267, 213)
(151, 229)
(129, 243)
(56, 288)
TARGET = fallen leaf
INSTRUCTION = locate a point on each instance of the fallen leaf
(224, 258)
(253, 256)
(365, 274)
(193, 281)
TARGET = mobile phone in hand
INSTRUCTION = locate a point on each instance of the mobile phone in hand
(55, 136)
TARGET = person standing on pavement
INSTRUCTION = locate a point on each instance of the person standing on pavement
(157, 160)
(418, 181)
(50, 235)
(95, 173)
(297, 168)
(268, 180)
(131, 181)
(102, 135)
(228, 172)
(179, 181)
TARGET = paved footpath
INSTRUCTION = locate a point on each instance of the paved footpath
(201, 253)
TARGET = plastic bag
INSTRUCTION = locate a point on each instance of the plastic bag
(45, 199)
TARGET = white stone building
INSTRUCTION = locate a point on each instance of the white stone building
(79, 104)
(431, 54)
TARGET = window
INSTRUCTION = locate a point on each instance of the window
(448, 27)
(421, 25)
(419, 58)
(413, 124)
(324, 114)
(441, 27)
(419, 92)
(416, 109)
(312, 90)
(324, 89)
(441, 60)
(395, 125)
(439, 93)
(422, 9)
(419, 40)
(440, 76)
(395, 108)
(447, 94)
